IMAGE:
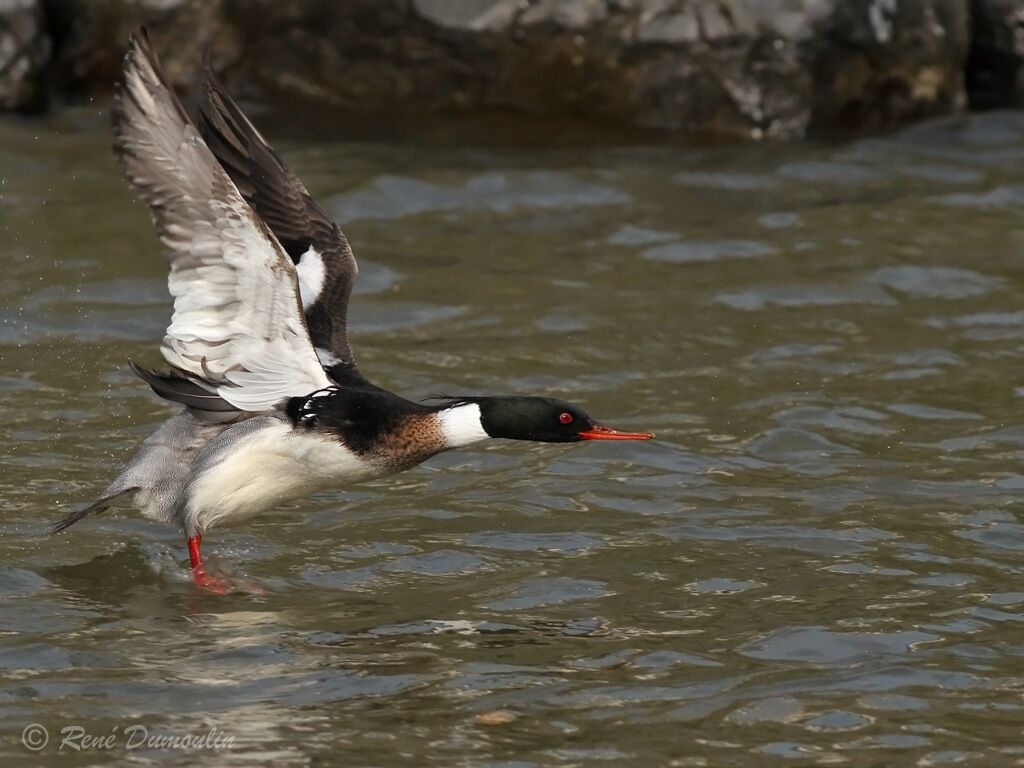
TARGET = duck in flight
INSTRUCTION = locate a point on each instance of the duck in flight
(274, 405)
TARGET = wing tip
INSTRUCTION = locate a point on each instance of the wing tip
(139, 36)
(142, 69)
(140, 54)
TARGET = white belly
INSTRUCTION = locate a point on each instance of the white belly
(267, 468)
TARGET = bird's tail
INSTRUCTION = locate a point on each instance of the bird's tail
(96, 507)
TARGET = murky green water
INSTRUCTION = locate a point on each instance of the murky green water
(819, 561)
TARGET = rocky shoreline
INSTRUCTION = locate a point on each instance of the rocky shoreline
(734, 68)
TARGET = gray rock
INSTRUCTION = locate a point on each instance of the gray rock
(794, 19)
(671, 28)
(24, 54)
(471, 15)
(564, 14)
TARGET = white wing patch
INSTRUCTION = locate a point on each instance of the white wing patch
(311, 273)
(237, 322)
(326, 357)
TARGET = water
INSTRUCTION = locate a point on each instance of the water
(818, 561)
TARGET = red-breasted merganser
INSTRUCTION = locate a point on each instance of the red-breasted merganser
(274, 405)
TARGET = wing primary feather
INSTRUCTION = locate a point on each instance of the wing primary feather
(299, 223)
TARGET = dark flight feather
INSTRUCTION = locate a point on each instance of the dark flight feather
(206, 406)
(281, 200)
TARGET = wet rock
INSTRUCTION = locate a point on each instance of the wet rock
(750, 68)
(995, 69)
(24, 54)
(878, 63)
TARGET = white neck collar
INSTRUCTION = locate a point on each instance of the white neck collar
(461, 425)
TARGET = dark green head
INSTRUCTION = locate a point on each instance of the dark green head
(542, 419)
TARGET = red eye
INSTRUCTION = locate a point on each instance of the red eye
(565, 418)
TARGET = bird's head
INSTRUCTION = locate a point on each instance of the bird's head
(540, 419)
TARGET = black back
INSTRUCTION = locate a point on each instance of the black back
(363, 417)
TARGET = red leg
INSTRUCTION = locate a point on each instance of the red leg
(202, 579)
(193, 552)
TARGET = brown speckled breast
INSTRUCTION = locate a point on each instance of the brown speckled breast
(415, 439)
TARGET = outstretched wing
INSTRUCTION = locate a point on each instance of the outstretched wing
(237, 329)
(324, 261)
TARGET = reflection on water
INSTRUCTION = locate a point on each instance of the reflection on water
(818, 559)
